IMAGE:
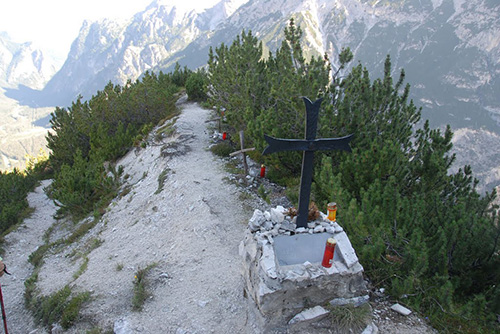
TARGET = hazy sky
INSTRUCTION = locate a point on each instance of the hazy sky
(54, 24)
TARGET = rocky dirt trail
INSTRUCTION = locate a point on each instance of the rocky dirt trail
(177, 214)
(19, 244)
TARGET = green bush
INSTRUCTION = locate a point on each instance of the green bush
(222, 149)
(83, 187)
(14, 187)
(60, 306)
(196, 86)
(104, 128)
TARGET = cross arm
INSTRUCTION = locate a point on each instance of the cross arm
(280, 145)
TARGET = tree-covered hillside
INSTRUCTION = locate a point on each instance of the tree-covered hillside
(424, 233)
(84, 137)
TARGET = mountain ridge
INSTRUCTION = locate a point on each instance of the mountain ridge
(449, 49)
(450, 57)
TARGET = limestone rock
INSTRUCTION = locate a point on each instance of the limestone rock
(256, 221)
(319, 229)
(355, 301)
(345, 249)
(400, 309)
(315, 313)
(370, 329)
(277, 215)
(121, 326)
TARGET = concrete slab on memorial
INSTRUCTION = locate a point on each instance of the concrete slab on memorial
(300, 248)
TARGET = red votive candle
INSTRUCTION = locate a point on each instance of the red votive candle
(224, 136)
(329, 251)
(262, 171)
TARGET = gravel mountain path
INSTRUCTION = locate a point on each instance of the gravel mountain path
(18, 245)
(189, 231)
(179, 217)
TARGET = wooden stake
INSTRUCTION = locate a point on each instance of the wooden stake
(243, 151)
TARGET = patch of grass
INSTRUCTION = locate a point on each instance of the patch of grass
(161, 180)
(126, 190)
(264, 194)
(61, 306)
(30, 289)
(119, 266)
(140, 288)
(232, 168)
(243, 196)
(80, 231)
(350, 319)
(36, 258)
(87, 248)
(222, 149)
(72, 309)
(82, 269)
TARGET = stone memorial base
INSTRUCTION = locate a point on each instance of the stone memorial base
(283, 272)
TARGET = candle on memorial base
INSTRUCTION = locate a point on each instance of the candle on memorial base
(332, 211)
(262, 171)
(329, 252)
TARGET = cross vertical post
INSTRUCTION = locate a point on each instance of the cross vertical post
(312, 111)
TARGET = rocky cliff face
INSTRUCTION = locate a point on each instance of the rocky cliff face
(448, 48)
(24, 64)
(108, 50)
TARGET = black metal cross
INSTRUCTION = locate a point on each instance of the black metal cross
(309, 145)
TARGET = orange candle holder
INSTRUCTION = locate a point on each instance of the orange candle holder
(332, 211)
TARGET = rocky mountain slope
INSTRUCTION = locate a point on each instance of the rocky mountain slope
(119, 51)
(24, 64)
(449, 49)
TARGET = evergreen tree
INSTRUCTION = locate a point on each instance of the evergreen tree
(418, 229)
(196, 86)
(89, 133)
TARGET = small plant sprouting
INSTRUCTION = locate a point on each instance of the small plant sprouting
(264, 194)
(82, 269)
(140, 287)
(119, 267)
(161, 180)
